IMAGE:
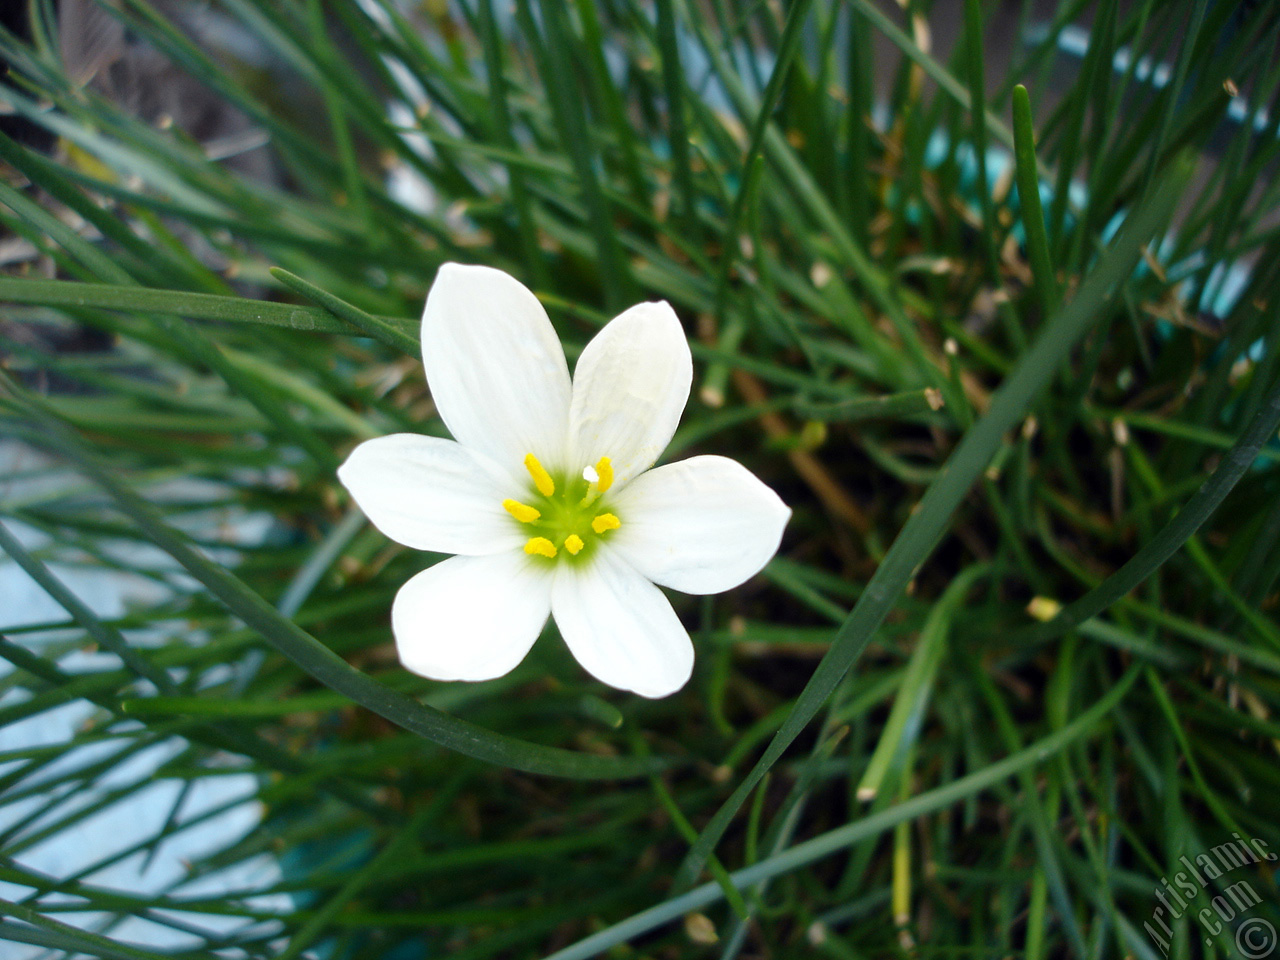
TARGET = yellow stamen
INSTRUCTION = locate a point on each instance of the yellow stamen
(573, 543)
(522, 512)
(541, 479)
(604, 469)
(606, 521)
(541, 546)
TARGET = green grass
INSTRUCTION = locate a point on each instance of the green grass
(973, 400)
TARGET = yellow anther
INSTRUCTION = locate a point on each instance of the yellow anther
(573, 543)
(541, 546)
(606, 521)
(541, 479)
(522, 512)
(604, 470)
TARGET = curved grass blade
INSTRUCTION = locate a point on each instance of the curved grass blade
(176, 303)
(379, 329)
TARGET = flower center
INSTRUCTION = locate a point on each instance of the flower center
(565, 513)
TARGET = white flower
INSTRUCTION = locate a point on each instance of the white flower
(547, 497)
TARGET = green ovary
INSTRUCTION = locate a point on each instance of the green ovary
(566, 516)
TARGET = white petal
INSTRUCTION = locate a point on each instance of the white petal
(431, 494)
(620, 627)
(700, 525)
(471, 618)
(629, 389)
(495, 366)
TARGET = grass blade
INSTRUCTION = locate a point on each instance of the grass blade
(1028, 178)
(856, 832)
(929, 521)
(317, 659)
(1176, 532)
(178, 303)
(377, 328)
